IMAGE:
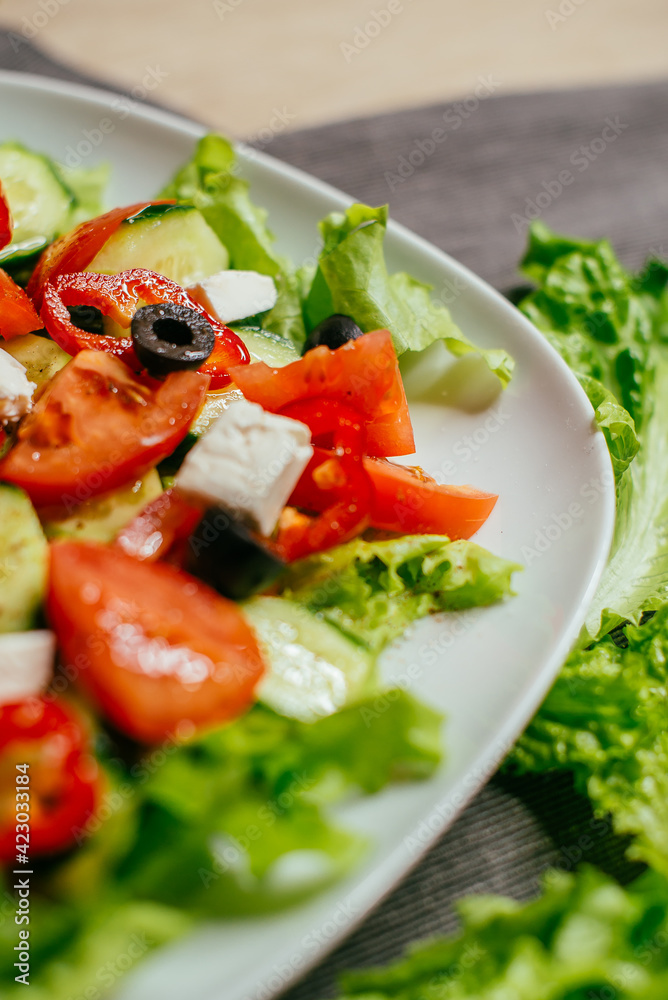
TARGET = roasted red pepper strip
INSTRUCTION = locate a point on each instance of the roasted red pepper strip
(17, 313)
(161, 525)
(338, 426)
(75, 250)
(63, 779)
(6, 223)
(118, 296)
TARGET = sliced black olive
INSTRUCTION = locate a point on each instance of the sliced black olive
(88, 318)
(169, 338)
(230, 558)
(333, 332)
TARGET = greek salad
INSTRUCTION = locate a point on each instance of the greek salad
(205, 544)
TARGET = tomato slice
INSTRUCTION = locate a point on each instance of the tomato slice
(63, 779)
(75, 250)
(346, 513)
(96, 427)
(17, 313)
(118, 296)
(161, 649)
(404, 500)
(161, 525)
(363, 374)
(6, 222)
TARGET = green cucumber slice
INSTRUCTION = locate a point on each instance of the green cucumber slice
(41, 358)
(314, 670)
(262, 345)
(23, 561)
(173, 240)
(40, 202)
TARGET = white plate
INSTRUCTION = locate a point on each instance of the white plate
(488, 670)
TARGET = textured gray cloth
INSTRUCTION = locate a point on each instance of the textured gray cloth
(470, 193)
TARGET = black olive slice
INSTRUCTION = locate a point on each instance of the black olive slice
(233, 560)
(169, 338)
(87, 318)
(333, 332)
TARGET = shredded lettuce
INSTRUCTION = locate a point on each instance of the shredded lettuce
(586, 938)
(352, 278)
(210, 181)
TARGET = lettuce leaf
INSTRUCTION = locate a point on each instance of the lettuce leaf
(586, 937)
(372, 590)
(234, 822)
(609, 326)
(605, 720)
(210, 182)
(352, 279)
(589, 308)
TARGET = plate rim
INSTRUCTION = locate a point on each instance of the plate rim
(387, 874)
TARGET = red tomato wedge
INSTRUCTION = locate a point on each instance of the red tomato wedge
(163, 523)
(62, 778)
(363, 374)
(96, 427)
(158, 651)
(404, 500)
(75, 250)
(6, 222)
(17, 313)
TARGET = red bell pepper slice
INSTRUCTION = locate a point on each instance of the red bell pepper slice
(118, 296)
(17, 313)
(75, 250)
(6, 223)
(53, 791)
(347, 484)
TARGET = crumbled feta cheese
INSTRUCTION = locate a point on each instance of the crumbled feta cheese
(249, 461)
(26, 664)
(15, 389)
(230, 295)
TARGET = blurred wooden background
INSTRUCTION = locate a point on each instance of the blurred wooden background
(248, 65)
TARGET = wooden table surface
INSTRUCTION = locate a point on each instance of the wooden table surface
(250, 65)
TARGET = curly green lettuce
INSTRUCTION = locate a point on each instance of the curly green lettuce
(372, 590)
(585, 938)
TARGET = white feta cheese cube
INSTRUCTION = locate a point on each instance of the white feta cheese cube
(26, 664)
(230, 295)
(15, 389)
(248, 461)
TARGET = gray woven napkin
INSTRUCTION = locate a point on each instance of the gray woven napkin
(468, 176)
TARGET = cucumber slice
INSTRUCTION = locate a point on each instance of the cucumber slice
(100, 519)
(314, 670)
(173, 240)
(40, 357)
(262, 345)
(39, 200)
(23, 561)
